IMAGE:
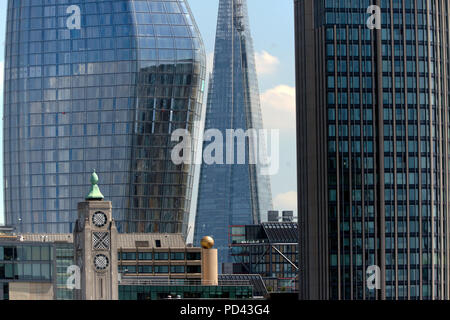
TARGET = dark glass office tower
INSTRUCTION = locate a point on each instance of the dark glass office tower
(232, 194)
(373, 133)
(106, 96)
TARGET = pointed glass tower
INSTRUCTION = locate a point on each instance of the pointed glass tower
(232, 194)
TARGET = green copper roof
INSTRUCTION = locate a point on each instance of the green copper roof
(95, 193)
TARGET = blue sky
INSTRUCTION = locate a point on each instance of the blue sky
(272, 25)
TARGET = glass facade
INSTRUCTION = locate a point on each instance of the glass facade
(232, 194)
(37, 262)
(173, 264)
(352, 177)
(64, 258)
(106, 96)
(26, 263)
(141, 292)
(385, 101)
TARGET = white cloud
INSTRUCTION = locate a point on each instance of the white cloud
(286, 201)
(278, 107)
(266, 63)
(209, 63)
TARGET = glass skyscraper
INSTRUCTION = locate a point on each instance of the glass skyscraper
(373, 145)
(104, 94)
(232, 194)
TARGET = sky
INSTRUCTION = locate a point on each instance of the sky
(272, 26)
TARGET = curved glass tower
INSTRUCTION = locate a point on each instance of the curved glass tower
(104, 94)
(232, 194)
(373, 146)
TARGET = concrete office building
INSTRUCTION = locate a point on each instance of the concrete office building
(373, 132)
(34, 266)
(109, 265)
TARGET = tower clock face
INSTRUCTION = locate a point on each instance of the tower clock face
(101, 262)
(99, 219)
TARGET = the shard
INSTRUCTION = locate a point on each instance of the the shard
(232, 194)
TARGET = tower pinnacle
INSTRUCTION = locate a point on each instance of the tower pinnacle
(94, 193)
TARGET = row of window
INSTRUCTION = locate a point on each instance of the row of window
(184, 292)
(89, 20)
(123, 223)
(50, 61)
(159, 269)
(123, 30)
(80, 69)
(26, 253)
(78, 47)
(26, 271)
(56, 215)
(385, 4)
(360, 18)
(102, 93)
(159, 256)
(37, 8)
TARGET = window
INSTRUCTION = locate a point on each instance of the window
(36, 270)
(193, 256)
(330, 50)
(45, 253)
(177, 256)
(128, 256)
(145, 256)
(36, 253)
(46, 271)
(145, 269)
(194, 269)
(161, 269)
(177, 269)
(128, 269)
(9, 253)
(161, 256)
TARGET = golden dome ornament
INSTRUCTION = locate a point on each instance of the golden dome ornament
(207, 242)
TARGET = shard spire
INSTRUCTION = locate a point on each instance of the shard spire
(232, 194)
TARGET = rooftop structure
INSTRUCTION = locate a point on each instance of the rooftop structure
(270, 250)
